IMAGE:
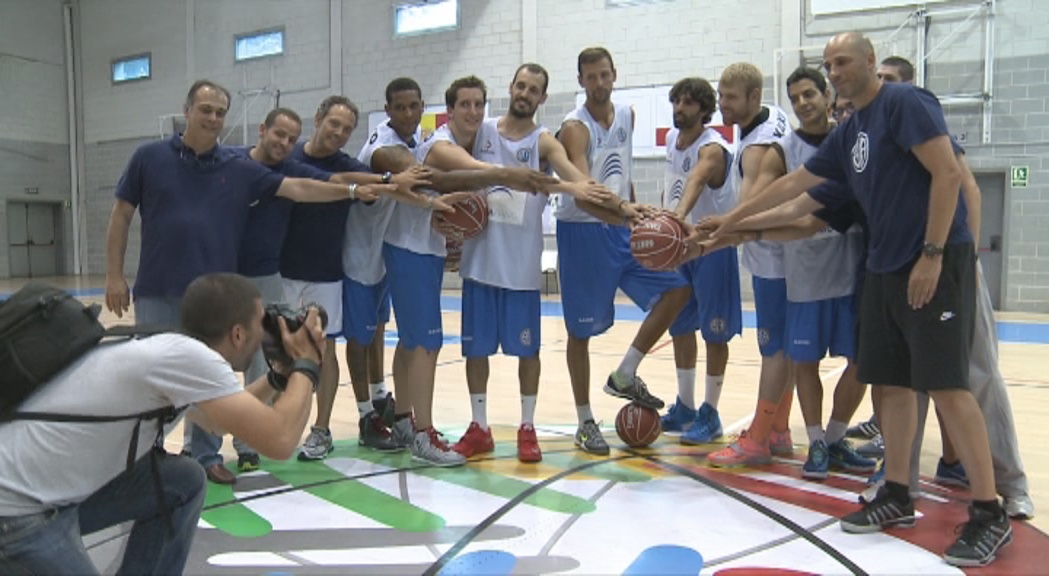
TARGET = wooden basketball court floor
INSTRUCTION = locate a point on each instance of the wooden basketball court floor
(660, 510)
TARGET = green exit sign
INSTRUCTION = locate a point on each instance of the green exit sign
(1019, 176)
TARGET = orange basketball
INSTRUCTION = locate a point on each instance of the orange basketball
(469, 218)
(658, 243)
(637, 426)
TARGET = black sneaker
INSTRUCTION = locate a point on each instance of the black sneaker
(632, 388)
(374, 435)
(385, 407)
(864, 430)
(878, 514)
(980, 539)
(248, 462)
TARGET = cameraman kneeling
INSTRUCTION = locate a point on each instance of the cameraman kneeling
(59, 480)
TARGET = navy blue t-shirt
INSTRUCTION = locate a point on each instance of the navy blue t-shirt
(193, 211)
(268, 221)
(312, 250)
(871, 152)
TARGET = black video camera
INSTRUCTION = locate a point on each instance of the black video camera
(272, 345)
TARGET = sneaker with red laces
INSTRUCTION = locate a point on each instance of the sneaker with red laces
(742, 452)
(780, 443)
(475, 441)
(527, 444)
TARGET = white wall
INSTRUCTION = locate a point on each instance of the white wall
(32, 72)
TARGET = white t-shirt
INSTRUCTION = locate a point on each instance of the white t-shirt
(50, 464)
(680, 163)
(410, 226)
(610, 155)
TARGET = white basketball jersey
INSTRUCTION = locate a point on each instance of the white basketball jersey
(610, 155)
(507, 252)
(409, 227)
(823, 266)
(680, 162)
(366, 224)
(763, 259)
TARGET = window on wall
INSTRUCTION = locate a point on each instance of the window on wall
(258, 45)
(137, 67)
(422, 17)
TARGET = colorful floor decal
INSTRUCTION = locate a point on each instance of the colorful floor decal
(661, 510)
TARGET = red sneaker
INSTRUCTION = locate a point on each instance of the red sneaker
(475, 441)
(742, 452)
(527, 444)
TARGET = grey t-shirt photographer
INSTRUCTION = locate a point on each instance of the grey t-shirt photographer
(50, 464)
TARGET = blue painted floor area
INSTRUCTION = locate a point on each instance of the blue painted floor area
(1020, 332)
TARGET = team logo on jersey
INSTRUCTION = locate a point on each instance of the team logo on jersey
(375, 136)
(621, 134)
(718, 325)
(526, 337)
(763, 336)
(487, 148)
(675, 192)
(524, 155)
(781, 125)
(613, 166)
(861, 151)
(687, 165)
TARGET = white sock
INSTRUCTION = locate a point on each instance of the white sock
(584, 413)
(378, 390)
(630, 362)
(815, 433)
(714, 389)
(363, 408)
(528, 409)
(480, 410)
(836, 431)
(686, 387)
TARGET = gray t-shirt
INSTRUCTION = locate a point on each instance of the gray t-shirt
(49, 464)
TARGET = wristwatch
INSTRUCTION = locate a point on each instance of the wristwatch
(387, 177)
(931, 250)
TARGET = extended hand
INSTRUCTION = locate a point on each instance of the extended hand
(412, 177)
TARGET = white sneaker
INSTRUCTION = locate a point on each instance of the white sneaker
(427, 447)
(403, 432)
(1019, 507)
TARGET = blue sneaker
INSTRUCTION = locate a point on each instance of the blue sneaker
(844, 457)
(951, 474)
(705, 428)
(678, 418)
(817, 463)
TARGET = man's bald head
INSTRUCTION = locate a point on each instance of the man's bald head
(850, 64)
(854, 41)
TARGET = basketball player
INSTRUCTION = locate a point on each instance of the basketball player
(761, 126)
(698, 160)
(500, 267)
(821, 304)
(311, 261)
(898, 160)
(593, 244)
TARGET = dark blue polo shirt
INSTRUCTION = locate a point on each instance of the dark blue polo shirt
(268, 221)
(312, 249)
(193, 210)
(871, 152)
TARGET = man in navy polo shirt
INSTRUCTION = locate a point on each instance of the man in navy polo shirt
(194, 196)
(918, 304)
(311, 258)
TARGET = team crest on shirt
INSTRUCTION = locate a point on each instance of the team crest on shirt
(687, 165)
(524, 155)
(621, 134)
(763, 336)
(526, 337)
(487, 148)
(375, 136)
(718, 325)
(861, 151)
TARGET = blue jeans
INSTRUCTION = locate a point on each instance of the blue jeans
(50, 542)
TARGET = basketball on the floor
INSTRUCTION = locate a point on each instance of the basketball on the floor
(658, 243)
(469, 218)
(637, 425)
